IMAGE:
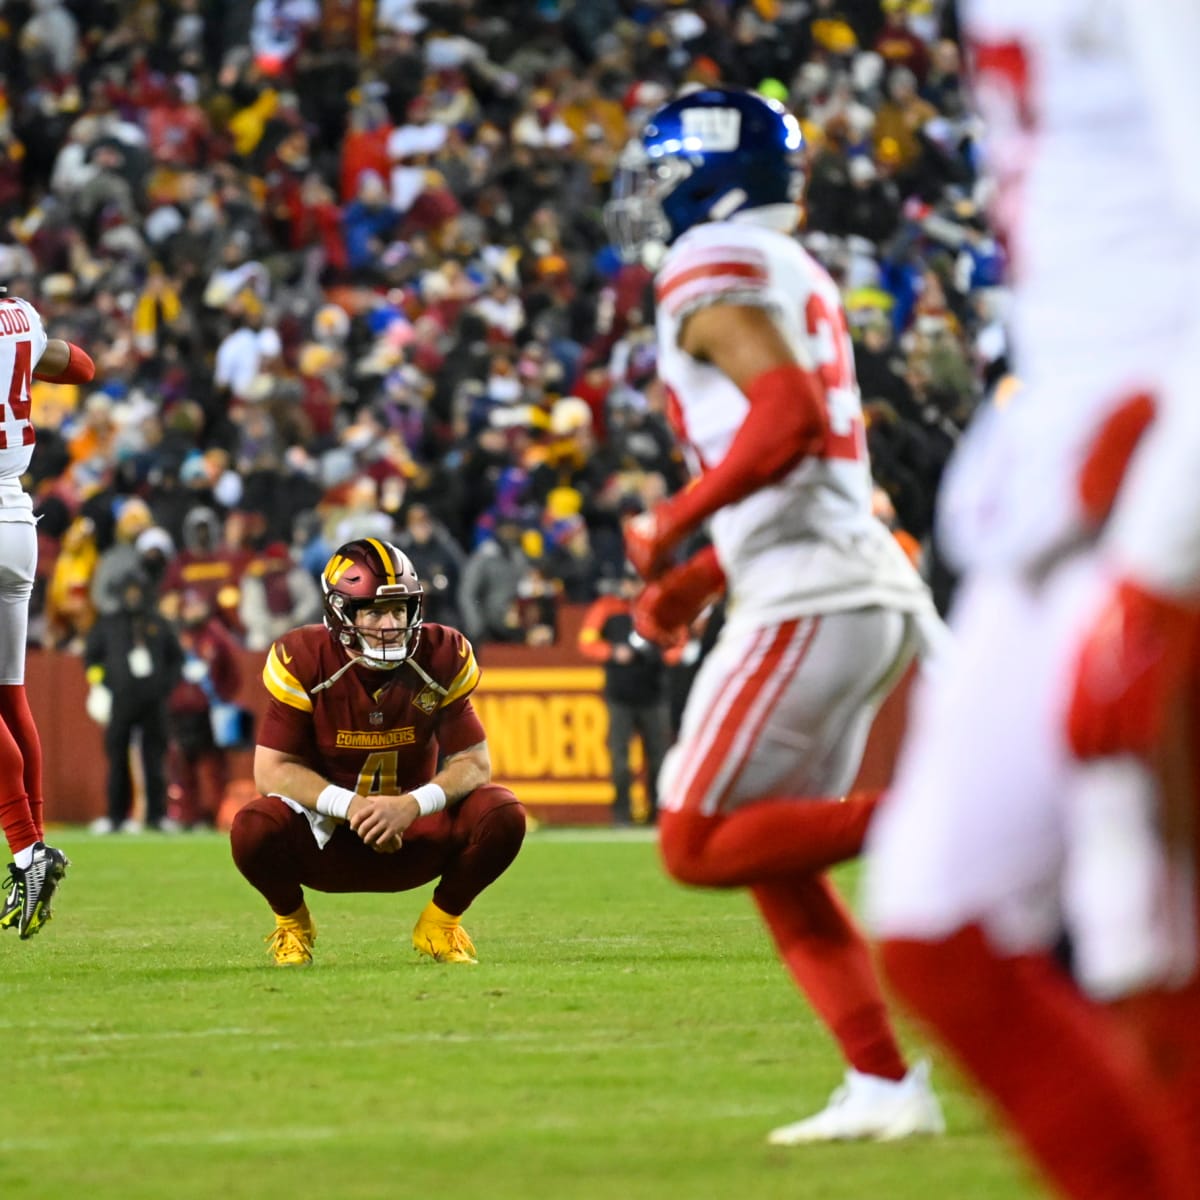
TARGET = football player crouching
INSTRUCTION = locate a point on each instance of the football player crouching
(361, 710)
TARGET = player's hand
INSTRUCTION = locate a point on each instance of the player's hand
(1130, 670)
(649, 619)
(382, 820)
(650, 538)
(665, 608)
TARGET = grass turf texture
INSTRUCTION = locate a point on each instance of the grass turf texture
(622, 1037)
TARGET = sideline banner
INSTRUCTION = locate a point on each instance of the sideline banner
(547, 733)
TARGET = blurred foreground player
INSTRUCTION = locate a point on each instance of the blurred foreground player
(824, 612)
(37, 869)
(361, 710)
(1047, 783)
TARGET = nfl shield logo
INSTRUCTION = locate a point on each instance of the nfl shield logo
(376, 718)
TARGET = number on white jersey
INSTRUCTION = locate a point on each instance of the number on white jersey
(834, 353)
(15, 427)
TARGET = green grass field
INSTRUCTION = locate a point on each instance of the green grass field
(621, 1038)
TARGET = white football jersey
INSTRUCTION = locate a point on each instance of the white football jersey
(807, 544)
(1099, 195)
(22, 344)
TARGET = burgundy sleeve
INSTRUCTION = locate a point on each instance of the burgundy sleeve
(286, 729)
(460, 727)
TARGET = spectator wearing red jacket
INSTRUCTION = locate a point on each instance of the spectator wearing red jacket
(198, 768)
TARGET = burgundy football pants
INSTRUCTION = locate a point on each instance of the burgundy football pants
(467, 847)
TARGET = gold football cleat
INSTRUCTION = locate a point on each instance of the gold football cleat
(442, 937)
(291, 942)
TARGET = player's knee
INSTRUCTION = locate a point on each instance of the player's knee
(257, 828)
(682, 843)
(503, 818)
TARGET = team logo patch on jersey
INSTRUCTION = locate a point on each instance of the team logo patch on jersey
(427, 700)
(376, 718)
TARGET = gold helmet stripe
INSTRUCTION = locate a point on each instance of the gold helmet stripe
(338, 566)
(385, 558)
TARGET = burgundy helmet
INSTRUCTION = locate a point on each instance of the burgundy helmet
(370, 572)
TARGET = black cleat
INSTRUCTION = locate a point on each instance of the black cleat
(36, 885)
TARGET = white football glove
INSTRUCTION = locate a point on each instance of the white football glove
(99, 704)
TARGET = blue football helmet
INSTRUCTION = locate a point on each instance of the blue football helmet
(702, 157)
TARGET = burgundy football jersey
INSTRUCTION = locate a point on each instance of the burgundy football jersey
(376, 732)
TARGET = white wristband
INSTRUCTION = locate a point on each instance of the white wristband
(335, 801)
(429, 797)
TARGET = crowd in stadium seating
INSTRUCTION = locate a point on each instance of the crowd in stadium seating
(342, 269)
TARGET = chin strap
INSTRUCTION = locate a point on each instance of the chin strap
(429, 682)
(379, 666)
(375, 665)
(335, 676)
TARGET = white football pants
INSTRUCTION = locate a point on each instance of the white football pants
(785, 710)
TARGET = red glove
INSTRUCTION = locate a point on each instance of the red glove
(665, 608)
(1130, 670)
(650, 538)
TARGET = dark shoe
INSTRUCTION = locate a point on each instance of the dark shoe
(14, 886)
(37, 883)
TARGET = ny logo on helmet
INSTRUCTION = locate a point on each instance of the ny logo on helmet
(712, 128)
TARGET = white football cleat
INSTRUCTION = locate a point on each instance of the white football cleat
(870, 1108)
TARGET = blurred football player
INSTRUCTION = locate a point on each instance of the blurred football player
(362, 708)
(1025, 804)
(26, 353)
(824, 611)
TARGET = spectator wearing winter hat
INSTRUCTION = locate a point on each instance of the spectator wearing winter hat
(439, 562)
(571, 562)
(155, 550)
(121, 559)
(205, 563)
(368, 223)
(900, 119)
(898, 45)
(276, 592)
(491, 585)
(69, 610)
(250, 349)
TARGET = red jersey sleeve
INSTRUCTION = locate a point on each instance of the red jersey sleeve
(287, 725)
(460, 730)
(453, 661)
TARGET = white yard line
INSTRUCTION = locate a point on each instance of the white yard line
(304, 1134)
